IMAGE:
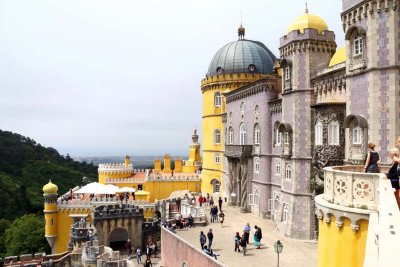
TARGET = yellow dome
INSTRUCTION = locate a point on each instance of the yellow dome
(308, 21)
(50, 188)
(338, 57)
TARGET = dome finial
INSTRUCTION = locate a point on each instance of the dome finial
(241, 30)
(306, 8)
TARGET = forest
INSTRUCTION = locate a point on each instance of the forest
(25, 167)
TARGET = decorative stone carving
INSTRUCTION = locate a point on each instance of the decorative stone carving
(355, 227)
(339, 224)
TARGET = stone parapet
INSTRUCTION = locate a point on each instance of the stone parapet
(125, 180)
(99, 201)
(114, 168)
(174, 178)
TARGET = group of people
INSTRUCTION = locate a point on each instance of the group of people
(207, 248)
(371, 166)
(243, 241)
(151, 248)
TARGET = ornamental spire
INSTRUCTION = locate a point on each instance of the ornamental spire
(306, 8)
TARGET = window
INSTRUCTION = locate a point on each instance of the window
(288, 172)
(357, 135)
(242, 108)
(256, 196)
(278, 167)
(217, 158)
(286, 138)
(277, 201)
(251, 199)
(256, 165)
(287, 73)
(230, 136)
(217, 99)
(243, 135)
(333, 133)
(217, 137)
(216, 186)
(257, 134)
(318, 133)
(270, 205)
(278, 137)
(358, 45)
(285, 218)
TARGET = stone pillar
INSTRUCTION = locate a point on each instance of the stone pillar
(157, 165)
(167, 164)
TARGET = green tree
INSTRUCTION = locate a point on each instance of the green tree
(26, 235)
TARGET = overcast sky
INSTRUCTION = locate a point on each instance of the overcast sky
(123, 76)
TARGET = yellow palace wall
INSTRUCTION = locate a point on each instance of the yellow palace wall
(341, 246)
(103, 176)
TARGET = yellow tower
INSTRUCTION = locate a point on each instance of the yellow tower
(115, 170)
(234, 65)
(50, 213)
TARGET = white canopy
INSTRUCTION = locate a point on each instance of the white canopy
(125, 190)
(97, 188)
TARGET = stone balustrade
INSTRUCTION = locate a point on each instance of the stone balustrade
(350, 186)
(115, 167)
(125, 180)
(176, 177)
(98, 201)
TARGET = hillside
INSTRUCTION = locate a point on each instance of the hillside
(25, 166)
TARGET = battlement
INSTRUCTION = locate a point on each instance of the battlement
(117, 212)
(175, 178)
(110, 168)
(309, 34)
(232, 77)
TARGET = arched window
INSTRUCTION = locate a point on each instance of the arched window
(217, 99)
(333, 133)
(358, 45)
(256, 196)
(278, 167)
(288, 172)
(217, 137)
(216, 186)
(257, 134)
(230, 136)
(277, 135)
(285, 218)
(357, 135)
(257, 165)
(318, 133)
(243, 134)
(287, 73)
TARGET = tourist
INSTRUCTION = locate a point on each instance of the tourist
(237, 242)
(201, 201)
(148, 251)
(210, 237)
(246, 231)
(220, 204)
(208, 199)
(221, 216)
(214, 213)
(178, 204)
(148, 263)
(203, 239)
(178, 218)
(138, 255)
(191, 220)
(211, 202)
(128, 247)
(244, 242)
(371, 164)
(256, 238)
(210, 252)
(393, 174)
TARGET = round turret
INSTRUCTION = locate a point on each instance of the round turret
(50, 188)
(308, 21)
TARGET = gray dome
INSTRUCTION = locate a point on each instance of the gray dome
(242, 56)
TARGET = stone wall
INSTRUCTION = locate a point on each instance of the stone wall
(176, 251)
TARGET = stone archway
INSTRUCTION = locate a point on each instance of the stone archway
(117, 239)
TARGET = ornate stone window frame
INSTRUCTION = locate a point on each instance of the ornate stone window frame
(217, 158)
(318, 133)
(357, 139)
(256, 193)
(277, 135)
(356, 36)
(334, 133)
(288, 171)
(285, 212)
(278, 167)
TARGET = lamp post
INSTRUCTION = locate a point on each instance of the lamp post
(278, 249)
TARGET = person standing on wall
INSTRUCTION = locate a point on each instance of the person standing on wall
(203, 239)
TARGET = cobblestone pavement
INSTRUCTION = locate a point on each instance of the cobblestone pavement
(295, 253)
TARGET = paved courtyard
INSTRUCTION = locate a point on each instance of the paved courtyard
(295, 253)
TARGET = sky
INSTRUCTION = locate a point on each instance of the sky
(105, 78)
